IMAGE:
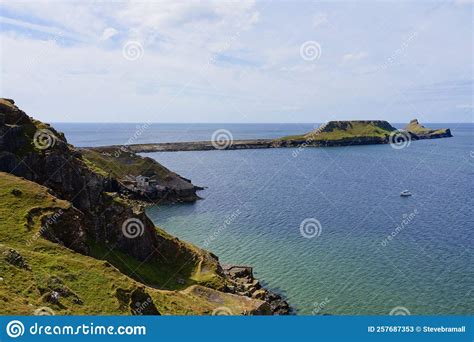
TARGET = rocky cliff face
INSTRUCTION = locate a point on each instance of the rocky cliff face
(243, 283)
(419, 131)
(39, 153)
(99, 218)
(125, 166)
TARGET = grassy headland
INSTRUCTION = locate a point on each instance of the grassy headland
(64, 244)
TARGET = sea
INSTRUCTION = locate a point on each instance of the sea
(325, 227)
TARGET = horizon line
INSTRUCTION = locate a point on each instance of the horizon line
(240, 123)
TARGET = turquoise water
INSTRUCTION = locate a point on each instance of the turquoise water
(256, 200)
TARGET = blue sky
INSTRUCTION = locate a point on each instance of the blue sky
(245, 61)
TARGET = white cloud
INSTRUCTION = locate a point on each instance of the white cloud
(84, 18)
(356, 56)
(164, 23)
(196, 25)
(108, 33)
(51, 30)
(88, 79)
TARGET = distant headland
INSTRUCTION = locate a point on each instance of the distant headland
(332, 133)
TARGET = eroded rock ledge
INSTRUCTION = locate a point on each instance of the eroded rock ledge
(75, 199)
(244, 284)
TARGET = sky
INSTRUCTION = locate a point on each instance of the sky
(238, 61)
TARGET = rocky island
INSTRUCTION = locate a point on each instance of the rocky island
(73, 240)
(333, 133)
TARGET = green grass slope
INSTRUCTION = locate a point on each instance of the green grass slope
(338, 130)
(120, 164)
(33, 268)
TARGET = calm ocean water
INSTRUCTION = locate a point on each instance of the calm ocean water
(96, 134)
(256, 200)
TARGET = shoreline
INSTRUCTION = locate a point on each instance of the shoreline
(251, 144)
(89, 209)
(245, 284)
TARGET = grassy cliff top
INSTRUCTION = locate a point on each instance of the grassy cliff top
(336, 130)
(88, 285)
(121, 163)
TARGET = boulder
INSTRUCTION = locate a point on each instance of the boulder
(14, 258)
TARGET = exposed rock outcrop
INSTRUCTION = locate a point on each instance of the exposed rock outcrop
(419, 131)
(67, 227)
(244, 284)
(39, 153)
(94, 214)
(12, 115)
(16, 259)
(137, 300)
(140, 177)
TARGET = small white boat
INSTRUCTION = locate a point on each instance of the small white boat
(405, 193)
